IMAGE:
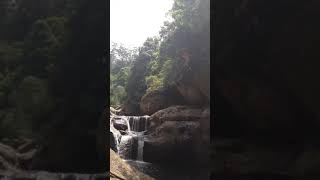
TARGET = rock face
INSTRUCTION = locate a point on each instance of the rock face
(156, 100)
(194, 83)
(122, 170)
(176, 134)
(176, 113)
(172, 140)
(191, 94)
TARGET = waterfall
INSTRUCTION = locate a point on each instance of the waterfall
(139, 123)
(140, 149)
(128, 123)
(117, 139)
(136, 128)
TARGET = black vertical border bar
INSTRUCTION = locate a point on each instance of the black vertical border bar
(212, 66)
(107, 109)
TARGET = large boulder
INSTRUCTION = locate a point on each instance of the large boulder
(178, 132)
(156, 100)
(191, 94)
(119, 124)
(194, 84)
(171, 140)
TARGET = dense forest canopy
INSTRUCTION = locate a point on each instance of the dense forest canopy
(52, 76)
(182, 44)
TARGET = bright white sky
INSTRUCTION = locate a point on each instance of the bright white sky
(132, 21)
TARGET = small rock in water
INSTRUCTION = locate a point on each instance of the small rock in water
(120, 124)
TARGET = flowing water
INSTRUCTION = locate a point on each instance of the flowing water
(130, 143)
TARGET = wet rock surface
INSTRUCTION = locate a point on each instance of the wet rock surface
(123, 170)
(120, 124)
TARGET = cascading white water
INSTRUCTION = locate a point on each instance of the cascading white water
(136, 127)
(126, 118)
(140, 149)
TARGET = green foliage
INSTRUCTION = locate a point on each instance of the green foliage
(33, 96)
(168, 72)
(121, 63)
(154, 83)
(31, 103)
(47, 37)
(120, 57)
(118, 95)
(45, 45)
(142, 66)
(11, 55)
(153, 66)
